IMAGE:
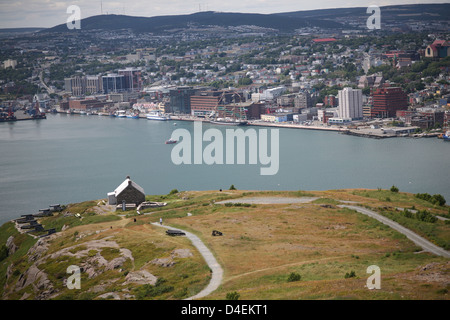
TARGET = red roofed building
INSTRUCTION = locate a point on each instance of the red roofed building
(323, 40)
(438, 49)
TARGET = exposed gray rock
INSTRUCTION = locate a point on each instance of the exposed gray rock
(10, 245)
(140, 277)
(163, 262)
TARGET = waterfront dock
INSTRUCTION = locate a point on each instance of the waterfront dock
(20, 116)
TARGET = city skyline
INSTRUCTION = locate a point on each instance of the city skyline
(45, 13)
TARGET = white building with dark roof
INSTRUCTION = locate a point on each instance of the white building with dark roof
(128, 191)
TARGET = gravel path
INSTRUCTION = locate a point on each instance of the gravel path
(418, 240)
(217, 271)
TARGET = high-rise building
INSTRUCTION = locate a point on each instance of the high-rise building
(387, 100)
(76, 85)
(180, 99)
(133, 78)
(113, 83)
(94, 84)
(350, 103)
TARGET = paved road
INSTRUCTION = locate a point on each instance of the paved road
(418, 240)
(217, 271)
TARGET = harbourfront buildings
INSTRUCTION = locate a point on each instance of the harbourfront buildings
(132, 78)
(386, 101)
(350, 103)
(128, 79)
(113, 82)
(303, 100)
(180, 99)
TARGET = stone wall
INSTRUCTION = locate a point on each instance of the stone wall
(130, 195)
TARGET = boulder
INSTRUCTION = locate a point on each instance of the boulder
(11, 246)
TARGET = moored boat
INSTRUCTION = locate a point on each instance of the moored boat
(446, 136)
(171, 141)
(133, 116)
(157, 115)
(229, 122)
(121, 114)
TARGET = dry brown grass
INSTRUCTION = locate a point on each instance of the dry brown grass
(261, 245)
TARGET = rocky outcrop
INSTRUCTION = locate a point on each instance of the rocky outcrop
(11, 246)
(140, 277)
(39, 280)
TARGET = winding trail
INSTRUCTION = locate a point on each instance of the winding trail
(217, 271)
(418, 240)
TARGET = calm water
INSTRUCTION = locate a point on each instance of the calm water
(69, 158)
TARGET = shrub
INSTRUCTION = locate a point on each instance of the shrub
(3, 252)
(438, 199)
(407, 213)
(148, 290)
(434, 199)
(294, 277)
(173, 191)
(394, 189)
(425, 216)
(352, 274)
(233, 295)
(232, 187)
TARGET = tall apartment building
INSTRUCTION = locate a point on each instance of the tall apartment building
(350, 103)
(387, 100)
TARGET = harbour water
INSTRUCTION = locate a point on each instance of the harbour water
(71, 158)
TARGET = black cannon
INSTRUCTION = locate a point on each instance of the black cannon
(175, 233)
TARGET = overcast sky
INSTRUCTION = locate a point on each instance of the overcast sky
(48, 13)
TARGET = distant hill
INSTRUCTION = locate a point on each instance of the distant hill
(162, 23)
(20, 30)
(419, 12)
(284, 22)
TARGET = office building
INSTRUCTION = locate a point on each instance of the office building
(387, 100)
(113, 83)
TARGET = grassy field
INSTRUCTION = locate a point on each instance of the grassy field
(262, 245)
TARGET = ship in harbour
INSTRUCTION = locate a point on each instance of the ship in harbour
(446, 136)
(157, 115)
(232, 114)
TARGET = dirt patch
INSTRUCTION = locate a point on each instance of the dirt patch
(433, 272)
(181, 253)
